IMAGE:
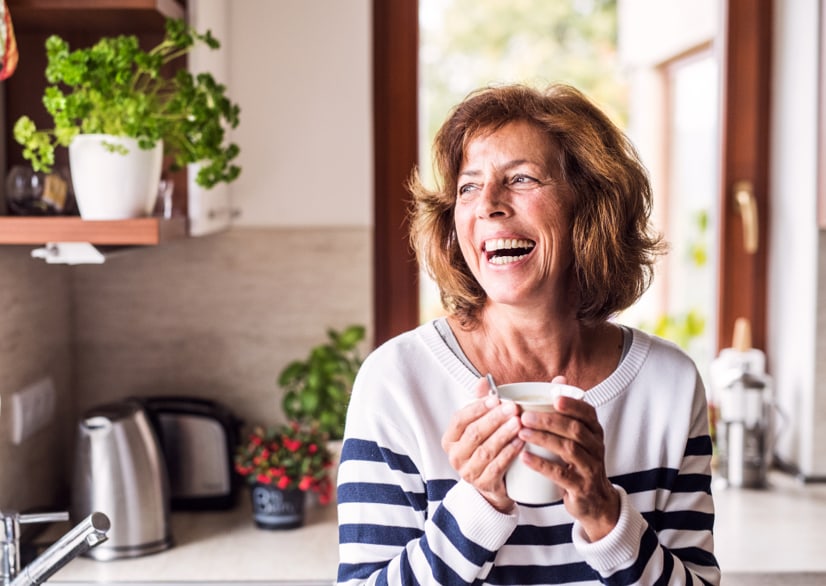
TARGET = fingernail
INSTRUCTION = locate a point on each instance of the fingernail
(491, 402)
(508, 407)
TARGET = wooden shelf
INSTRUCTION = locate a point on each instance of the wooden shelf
(81, 23)
(124, 16)
(138, 231)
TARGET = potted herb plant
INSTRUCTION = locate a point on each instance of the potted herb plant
(318, 388)
(113, 99)
(282, 464)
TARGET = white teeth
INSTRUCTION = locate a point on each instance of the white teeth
(503, 260)
(507, 244)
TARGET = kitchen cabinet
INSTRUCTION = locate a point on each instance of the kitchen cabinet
(81, 23)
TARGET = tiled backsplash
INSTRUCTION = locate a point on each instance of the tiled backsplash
(35, 340)
(216, 316)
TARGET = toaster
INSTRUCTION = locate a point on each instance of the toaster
(198, 438)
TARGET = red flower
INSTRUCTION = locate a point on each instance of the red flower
(292, 445)
(288, 456)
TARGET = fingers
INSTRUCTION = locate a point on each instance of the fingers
(481, 441)
(481, 430)
(463, 417)
(573, 433)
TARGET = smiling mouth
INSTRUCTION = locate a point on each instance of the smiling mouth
(507, 250)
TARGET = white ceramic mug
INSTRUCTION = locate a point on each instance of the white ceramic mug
(524, 484)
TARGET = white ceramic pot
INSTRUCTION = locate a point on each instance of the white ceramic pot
(110, 185)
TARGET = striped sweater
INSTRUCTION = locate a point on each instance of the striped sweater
(405, 517)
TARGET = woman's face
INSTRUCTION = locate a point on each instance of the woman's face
(512, 216)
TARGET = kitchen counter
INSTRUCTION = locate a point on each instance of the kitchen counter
(772, 531)
(225, 546)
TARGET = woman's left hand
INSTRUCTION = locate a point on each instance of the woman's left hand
(573, 432)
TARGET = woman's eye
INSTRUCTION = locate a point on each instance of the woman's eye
(522, 180)
(467, 188)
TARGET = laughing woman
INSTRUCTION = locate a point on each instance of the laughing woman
(537, 236)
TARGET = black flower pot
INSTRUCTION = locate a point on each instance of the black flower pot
(273, 508)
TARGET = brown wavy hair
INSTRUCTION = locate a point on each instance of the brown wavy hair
(614, 247)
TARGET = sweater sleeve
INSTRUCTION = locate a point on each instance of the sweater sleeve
(680, 550)
(397, 523)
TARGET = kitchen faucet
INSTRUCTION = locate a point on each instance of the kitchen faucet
(81, 538)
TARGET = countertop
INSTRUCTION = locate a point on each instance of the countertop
(225, 546)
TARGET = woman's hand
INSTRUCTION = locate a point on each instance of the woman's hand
(573, 432)
(481, 442)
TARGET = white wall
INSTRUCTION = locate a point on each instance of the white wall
(301, 72)
(792, 346)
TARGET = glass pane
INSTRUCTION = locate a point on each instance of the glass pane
(693, 181)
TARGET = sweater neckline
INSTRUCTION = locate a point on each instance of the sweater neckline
(603, 392)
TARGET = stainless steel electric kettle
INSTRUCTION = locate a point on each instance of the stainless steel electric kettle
(119, 471)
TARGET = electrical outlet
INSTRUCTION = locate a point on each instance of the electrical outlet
(32, 409)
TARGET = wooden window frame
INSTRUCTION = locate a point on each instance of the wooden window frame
(395, 118)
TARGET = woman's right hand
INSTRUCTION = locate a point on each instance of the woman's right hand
(481, 442)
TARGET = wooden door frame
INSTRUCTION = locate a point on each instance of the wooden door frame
(745, 116)
(395, 136)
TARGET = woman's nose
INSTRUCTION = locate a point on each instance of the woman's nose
(493, 201)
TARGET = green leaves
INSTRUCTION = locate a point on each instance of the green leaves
(317, 389)
(115, 87)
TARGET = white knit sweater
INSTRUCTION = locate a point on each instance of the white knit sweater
(406, 518)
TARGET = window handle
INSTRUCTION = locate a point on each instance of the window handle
(747, 208)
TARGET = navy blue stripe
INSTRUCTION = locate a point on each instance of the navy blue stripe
(437, 489)
(698, 446)
(631, 575)
(687, 520)
(646, 480)
(663, 478)
(559, 574)
(696, 556)
(405, 571)
(359, 571)
(668, 569)
(533, 535)
(442, 573)
(692, 483)
(472, 552)
(367, 451)
(659, 520)
(378, 534)
(374, 493)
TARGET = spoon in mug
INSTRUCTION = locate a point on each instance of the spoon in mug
(494, 390)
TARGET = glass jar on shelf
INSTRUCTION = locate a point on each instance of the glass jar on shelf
(32, 193)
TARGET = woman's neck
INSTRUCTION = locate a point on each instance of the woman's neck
(516, 347)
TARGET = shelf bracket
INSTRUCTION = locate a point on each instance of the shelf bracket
(72, 253)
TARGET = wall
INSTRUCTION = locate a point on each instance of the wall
(797, 292)
(35, 341)
(216, 316)
(302, 73)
